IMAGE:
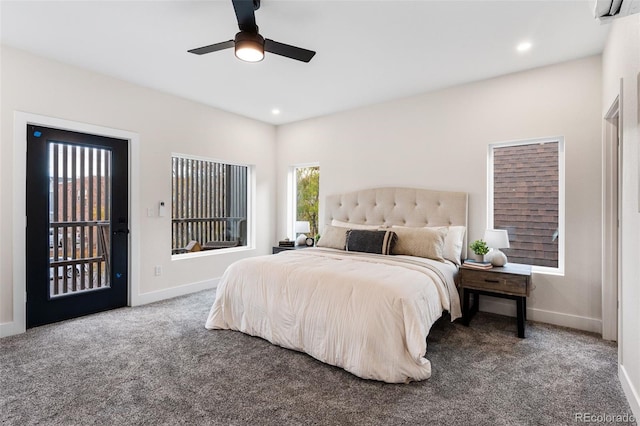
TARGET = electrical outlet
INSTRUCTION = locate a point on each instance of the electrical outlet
(157, 270)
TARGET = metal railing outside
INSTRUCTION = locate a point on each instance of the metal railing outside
(79, 219)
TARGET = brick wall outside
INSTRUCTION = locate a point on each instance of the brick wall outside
(525, 186)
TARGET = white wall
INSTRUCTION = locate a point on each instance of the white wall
(621, 60)
(439, 140)
(165, 124)
(435, 140)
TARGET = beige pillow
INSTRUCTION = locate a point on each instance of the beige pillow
(420, 242)
(333, 237)
(453, 242)
(350, 225)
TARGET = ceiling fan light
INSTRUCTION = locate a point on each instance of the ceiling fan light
(249, 53)
(249, 47)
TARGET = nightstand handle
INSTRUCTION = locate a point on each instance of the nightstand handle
(491, 281)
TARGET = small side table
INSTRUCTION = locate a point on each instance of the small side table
(511, 281)
(277, 249)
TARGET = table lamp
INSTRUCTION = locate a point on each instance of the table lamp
(302, 226)
(497, 239)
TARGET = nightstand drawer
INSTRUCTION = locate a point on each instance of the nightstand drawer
(504, 283)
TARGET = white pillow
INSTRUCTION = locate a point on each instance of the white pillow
(350, 225)
(453, 242)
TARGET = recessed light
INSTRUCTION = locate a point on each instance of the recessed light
(275, 111)
(524, 46)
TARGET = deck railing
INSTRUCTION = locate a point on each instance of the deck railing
(210, 233)
(78, 256)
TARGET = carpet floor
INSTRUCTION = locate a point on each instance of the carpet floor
(158, 365)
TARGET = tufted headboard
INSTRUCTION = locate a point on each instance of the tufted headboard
(399, 206)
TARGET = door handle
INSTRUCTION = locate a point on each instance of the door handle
(121, 231)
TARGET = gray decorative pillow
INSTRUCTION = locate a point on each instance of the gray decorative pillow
(333, 237)
(420, 242)
(369, 241)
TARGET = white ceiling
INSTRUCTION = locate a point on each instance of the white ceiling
(367, 51)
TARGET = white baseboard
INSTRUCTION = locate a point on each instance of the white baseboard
(10, 328)
(156, 296)
(630, 391)
(505, 307)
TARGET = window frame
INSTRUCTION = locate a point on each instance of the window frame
(559, 270)
(251, 215)
(293, 196)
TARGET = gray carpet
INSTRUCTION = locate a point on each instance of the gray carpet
(157, 365)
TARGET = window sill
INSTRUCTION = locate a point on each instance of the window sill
(207, 253)
(542, 270)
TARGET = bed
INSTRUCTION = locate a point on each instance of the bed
(366, 297)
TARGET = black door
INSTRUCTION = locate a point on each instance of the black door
(77, 224)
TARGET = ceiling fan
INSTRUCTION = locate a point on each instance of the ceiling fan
(248, 43)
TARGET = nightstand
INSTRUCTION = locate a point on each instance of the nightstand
(511, 281)
(277, 249)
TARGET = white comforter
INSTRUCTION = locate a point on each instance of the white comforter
(369, 314)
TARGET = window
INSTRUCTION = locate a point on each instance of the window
(306, 190)
(209, 205)
(526, 197)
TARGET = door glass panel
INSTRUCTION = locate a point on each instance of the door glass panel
(79, 219)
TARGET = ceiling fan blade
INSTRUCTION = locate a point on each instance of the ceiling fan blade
(213, 47)
(289, 51)
(245, 13)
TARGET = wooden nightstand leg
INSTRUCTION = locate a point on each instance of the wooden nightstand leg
(520, 302)
(465, 306)
(476, 305)
(469, 311)
(524, 301)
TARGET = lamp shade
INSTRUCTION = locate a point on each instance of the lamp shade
(496, 238)
(302, 226)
